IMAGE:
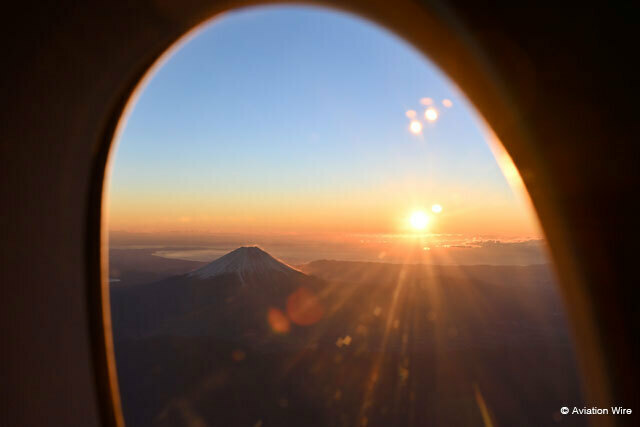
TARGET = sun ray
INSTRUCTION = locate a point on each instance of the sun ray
(375, 370)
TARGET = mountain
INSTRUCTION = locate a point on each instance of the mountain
(381, 345)
(247, 262)
(231, 296)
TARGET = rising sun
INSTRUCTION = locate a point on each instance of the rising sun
(419, 220)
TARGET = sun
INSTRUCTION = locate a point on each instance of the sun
(419, 220)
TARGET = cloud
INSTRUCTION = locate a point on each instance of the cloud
(498, 252)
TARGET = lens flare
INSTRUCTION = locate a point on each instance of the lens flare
(415, 127)
(238, 355)
(419, 220)
(436, 208)
(447, 103)
(426, 101)
(411, 114)
(431, 114)
(304, 307)
(278, 321)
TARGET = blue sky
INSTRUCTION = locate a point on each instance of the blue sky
(283, 103)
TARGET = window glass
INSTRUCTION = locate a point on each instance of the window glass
(309, 225)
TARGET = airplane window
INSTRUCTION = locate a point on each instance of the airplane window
(309, 225)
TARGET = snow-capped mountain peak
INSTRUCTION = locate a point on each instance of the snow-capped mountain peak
(244, 261)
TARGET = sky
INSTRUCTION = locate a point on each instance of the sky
(288, 121)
